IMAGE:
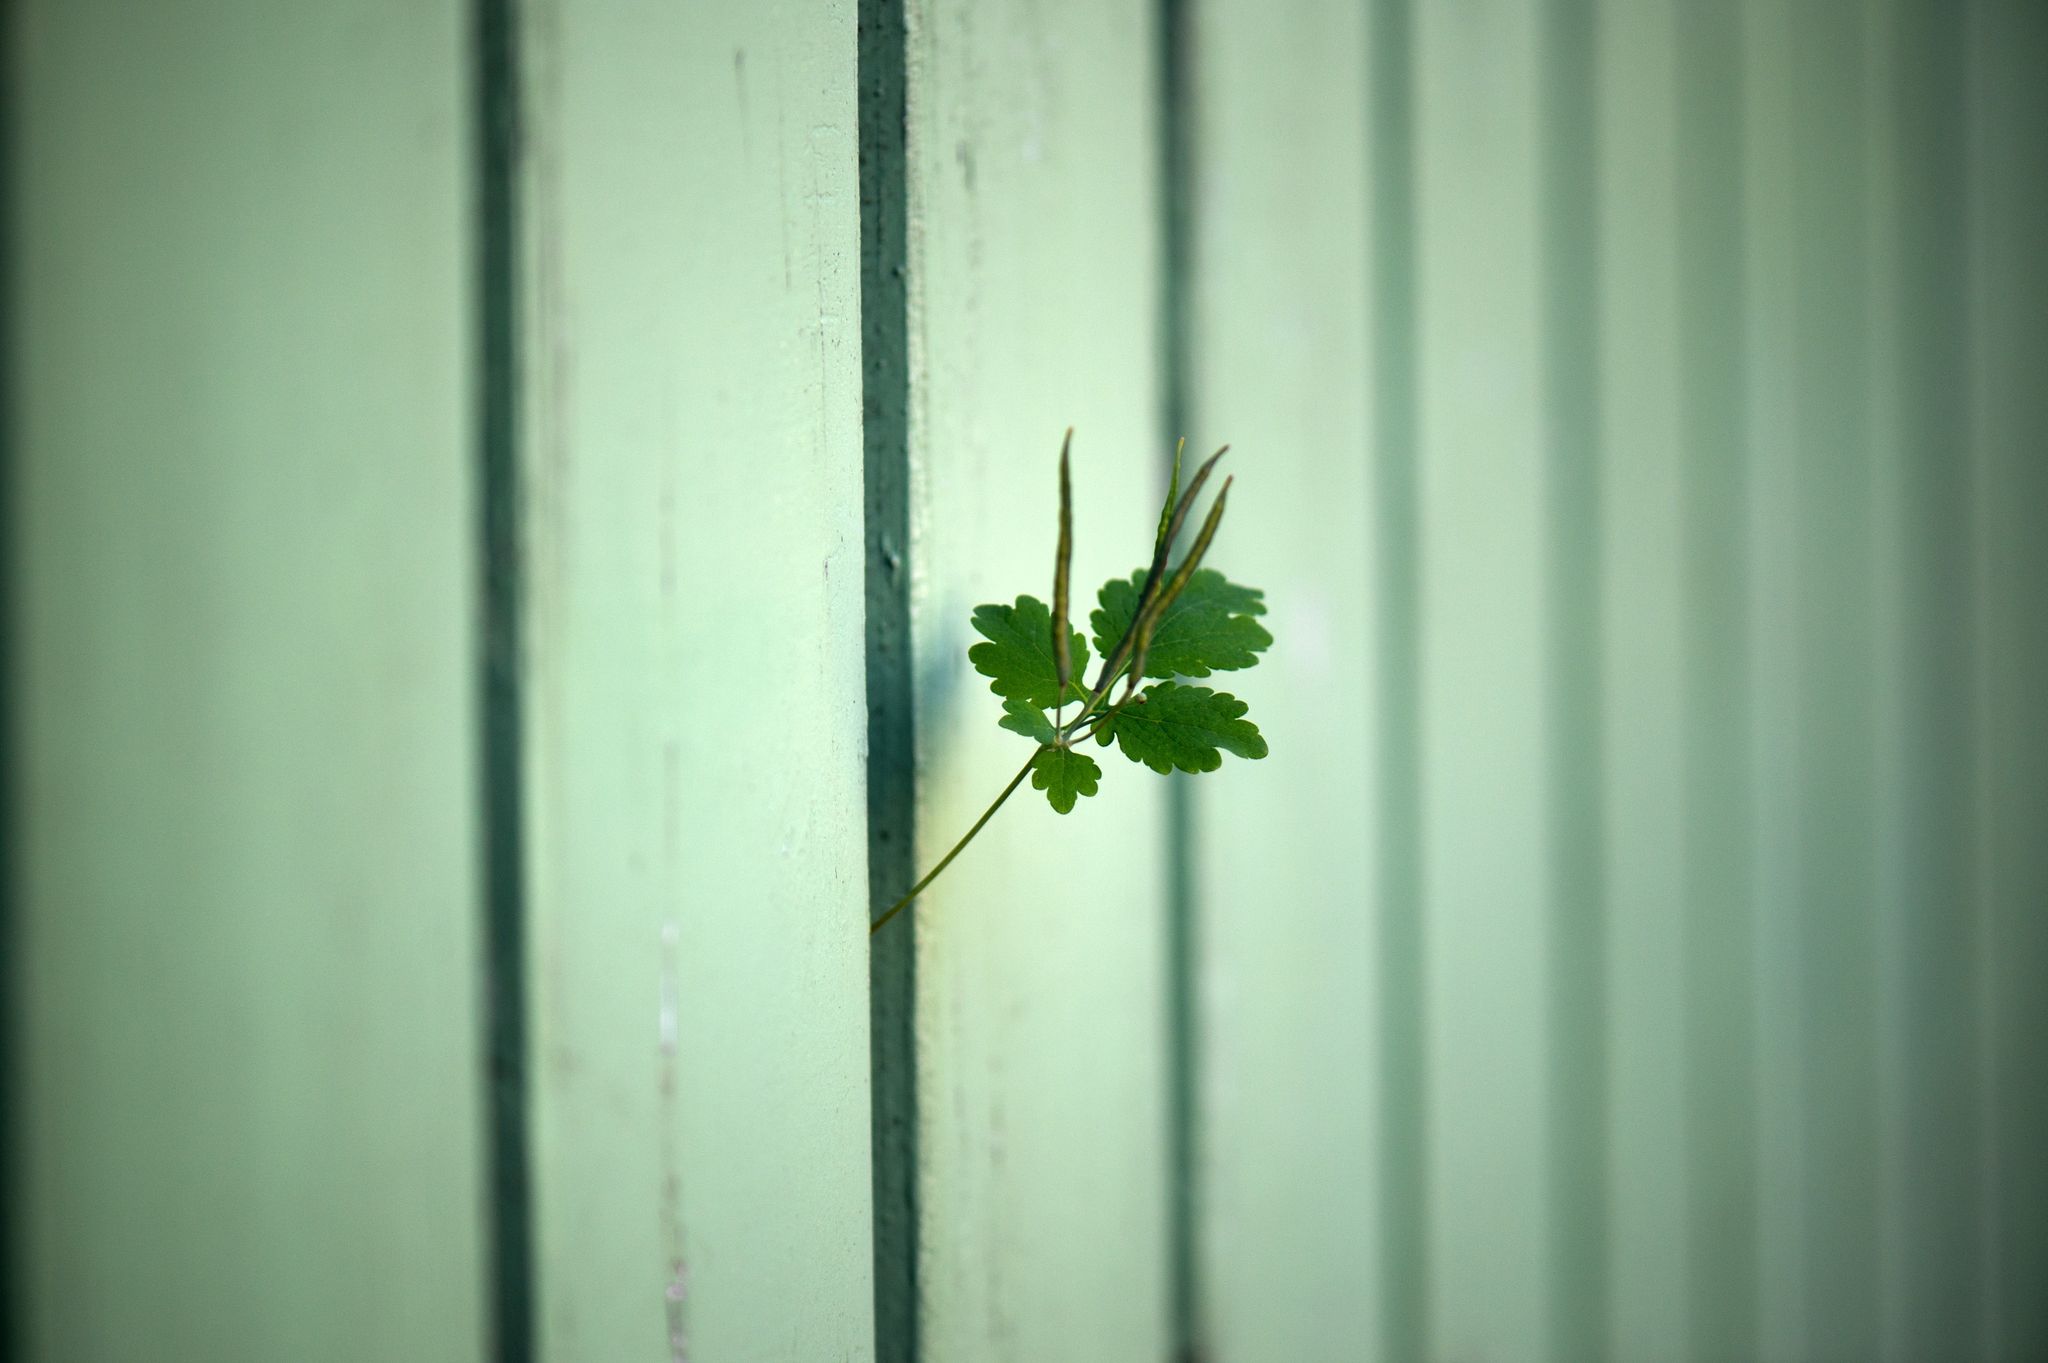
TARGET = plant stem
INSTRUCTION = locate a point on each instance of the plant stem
(947, 860)
(1107, 685)
(1065, 739)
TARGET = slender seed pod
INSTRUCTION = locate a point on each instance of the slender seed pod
(1062, 644)
(1172, 496)
(1143, 646)
(1147, 593)
(1180, 516)
(1149, 621)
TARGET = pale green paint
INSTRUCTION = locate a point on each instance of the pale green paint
(1932, 1259)
(1486, 607)
(1285, 848)
(694, 695)
(1771, 544)
(1809, 660)
(1642, 673)
(247, 888)
(1715, 794)
(1833, 607)
(1803, 580)
(1040, 1003)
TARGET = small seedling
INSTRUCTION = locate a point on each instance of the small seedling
(1155, 626)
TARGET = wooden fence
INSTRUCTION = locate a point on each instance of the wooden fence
(495, 492)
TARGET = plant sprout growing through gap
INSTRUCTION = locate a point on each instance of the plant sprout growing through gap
(1155, 626)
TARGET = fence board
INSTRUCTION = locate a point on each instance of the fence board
(1715, 789)
(694, 717)
(2007, 119)
(245, 682)
(1641, 515)
(1283, 850)
(1485, 612)
(1770, 536)
(1039, 996)
(1930, 1135)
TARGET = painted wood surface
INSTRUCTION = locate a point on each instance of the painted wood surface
(1769, 536)
(2006, 117)
(694, 682)
(1488, 606)
(1631, 949)
(1286, 850)
(1639, 506)
(1687, 1025)
(1931, 1119)
(1715, 792)
(247, 902)
(1040, 1166)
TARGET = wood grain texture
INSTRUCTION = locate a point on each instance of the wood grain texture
(1040, 1046)
(247, 882)
(694, 682)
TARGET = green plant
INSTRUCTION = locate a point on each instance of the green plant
(1152, 625)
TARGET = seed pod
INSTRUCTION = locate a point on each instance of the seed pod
(1144, 645)
(1148, 592)
(1172, 496)
(1172, 530)
(1062, 644)
(1149, 620)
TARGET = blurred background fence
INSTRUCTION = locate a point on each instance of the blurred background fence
(494, 493)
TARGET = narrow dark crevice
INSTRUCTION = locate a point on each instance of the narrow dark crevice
(502, 766)
(892, 753)
(1176, 127)
(13, 1332)
(1396, 524)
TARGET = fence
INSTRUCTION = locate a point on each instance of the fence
(496, 490)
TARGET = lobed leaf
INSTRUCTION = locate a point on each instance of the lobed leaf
(1209, 627)
(1189, 727)
(1017, 658)
(1022, 717)
(1065, 776)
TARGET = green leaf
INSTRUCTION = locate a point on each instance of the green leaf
(1022, 717)
(1189, 727)
(1065, 776)
(1017, 658)
(1209, 627)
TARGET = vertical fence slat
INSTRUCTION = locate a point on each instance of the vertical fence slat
(694, 717)
(1289, 1236)
(1833, 604)
(1813, 598)
(1931, 1130)
(2008, 415)
(1715, 788)
(1642, 667)
(1485, 613)
(1768, 80)
(1040, 1048)
(246, 721)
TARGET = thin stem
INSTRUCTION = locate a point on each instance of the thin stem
(1065, 739)
(1105, 717)
(1088, 711)
(947, 860)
